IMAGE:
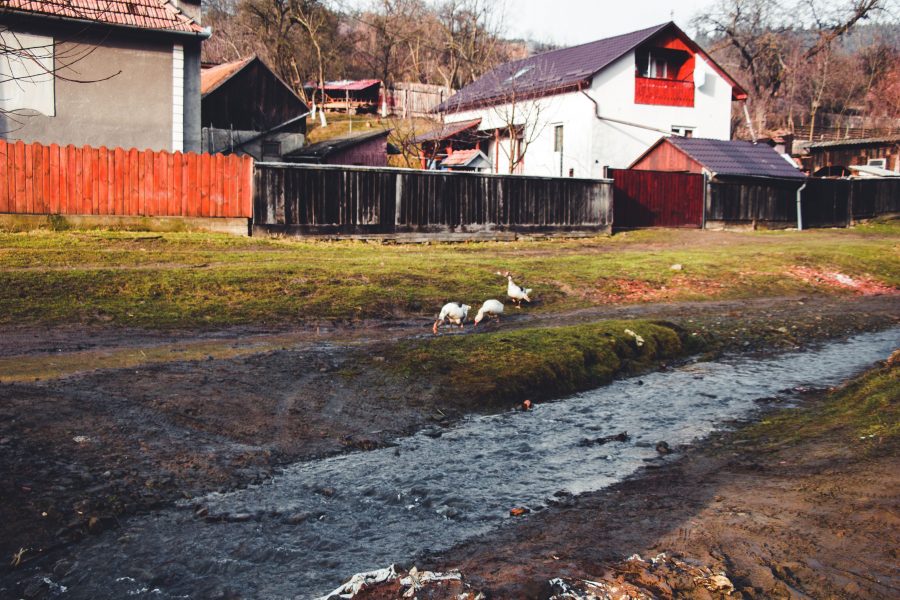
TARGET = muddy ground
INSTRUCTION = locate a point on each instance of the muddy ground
(813, 520)
(101, 423)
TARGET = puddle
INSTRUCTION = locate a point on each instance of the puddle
(300, 534)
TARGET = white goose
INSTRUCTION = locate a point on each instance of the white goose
(490, 309)
(454, 312)
(516, 293)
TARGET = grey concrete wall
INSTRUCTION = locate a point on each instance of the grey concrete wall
(115, 93)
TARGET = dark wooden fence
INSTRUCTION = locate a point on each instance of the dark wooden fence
(65, 180)
(824, 202)
(306, 199)
(747, 202)
(657, 199)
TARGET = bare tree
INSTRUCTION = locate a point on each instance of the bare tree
(520, 113)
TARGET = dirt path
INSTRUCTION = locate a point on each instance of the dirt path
(97, 424)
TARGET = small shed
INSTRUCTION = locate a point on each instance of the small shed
(439, 143)
(365, 150)
(829, 157)
(352, 96)
(472, 161)
(717, 158)
(247, 109)
(750, 184)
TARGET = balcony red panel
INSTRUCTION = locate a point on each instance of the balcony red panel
(663, 92)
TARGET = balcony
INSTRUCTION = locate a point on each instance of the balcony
(663, 92)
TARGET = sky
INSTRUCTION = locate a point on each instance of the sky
(568, 22)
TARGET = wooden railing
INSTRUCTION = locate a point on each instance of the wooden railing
(663, 92)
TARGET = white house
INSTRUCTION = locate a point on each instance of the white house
(574, 111)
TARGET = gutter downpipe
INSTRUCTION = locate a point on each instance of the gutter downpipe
(619, 121)
(799, 209)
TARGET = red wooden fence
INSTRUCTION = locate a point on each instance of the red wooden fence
(39, 179)
(657, 199)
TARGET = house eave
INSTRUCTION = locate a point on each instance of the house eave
(41, 17)
(505, 99)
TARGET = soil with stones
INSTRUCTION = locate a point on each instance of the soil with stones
(101, 440)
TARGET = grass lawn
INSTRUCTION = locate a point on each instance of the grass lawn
(190, 279)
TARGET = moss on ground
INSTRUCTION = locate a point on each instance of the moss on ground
(865, 410)
(191, 279)
(511, 366)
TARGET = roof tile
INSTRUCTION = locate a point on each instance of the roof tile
(146, 14)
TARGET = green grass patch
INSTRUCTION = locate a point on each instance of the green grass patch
(498, 367)
(194, 279)
(866, 409)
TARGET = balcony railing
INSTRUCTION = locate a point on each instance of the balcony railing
(664, 92)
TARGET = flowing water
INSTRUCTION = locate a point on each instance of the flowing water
(300, 534)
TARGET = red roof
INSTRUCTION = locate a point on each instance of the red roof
(462, 158)
(144, 14)
(447, 131)
(348, 85)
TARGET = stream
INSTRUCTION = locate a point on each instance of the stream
(300, 534)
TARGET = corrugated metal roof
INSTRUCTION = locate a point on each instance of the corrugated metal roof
(737, 158)
(889, 139)
(323, 149)
(213, 77)
(347, 85)
(145, 14)
(446, 131)
(463, 158)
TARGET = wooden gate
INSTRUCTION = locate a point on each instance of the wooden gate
(656, 199)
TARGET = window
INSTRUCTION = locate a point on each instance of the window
(683, 131)
(558, 138)
(26, 73)
(271, 148)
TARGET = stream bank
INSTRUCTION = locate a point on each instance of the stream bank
(83, 452)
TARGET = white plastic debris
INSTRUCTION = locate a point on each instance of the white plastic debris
(415, 580)
(352, 587)
(81, 439)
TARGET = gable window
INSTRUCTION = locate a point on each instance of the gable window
(26, 73)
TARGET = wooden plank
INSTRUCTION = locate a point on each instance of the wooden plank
(45, 179)
(133, 183)
(4, 178)
(53, 182)
(150, 201)
(120, 171)
(193, 187)
(29, 179)
(102, 154)
(203, 182)
(247, 187)
(161, 183)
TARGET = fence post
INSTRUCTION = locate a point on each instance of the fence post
(398, 201)
(705, 200)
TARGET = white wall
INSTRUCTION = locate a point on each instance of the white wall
(619, 145)
(590, 144)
